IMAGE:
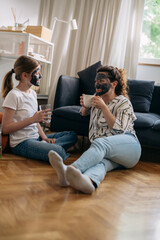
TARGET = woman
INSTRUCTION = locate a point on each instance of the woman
(21, 118)
(111, 133)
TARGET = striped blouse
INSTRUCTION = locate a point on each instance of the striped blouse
(122, 110)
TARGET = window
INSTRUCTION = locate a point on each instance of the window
(150, 38)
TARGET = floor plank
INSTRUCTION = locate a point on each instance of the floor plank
(126, 206)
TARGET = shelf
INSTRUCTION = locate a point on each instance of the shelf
(15, 57)
(14, 44)
(15, 31)
(25, 44)
(24, 34)
(41, 60)
(42, 96)
(42, 99)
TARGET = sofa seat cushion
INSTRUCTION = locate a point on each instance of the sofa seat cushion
(148, 137)
(71, 113)
(140, 93)
(146, 120)
(69, 119)
(87, 78)
(157, 124)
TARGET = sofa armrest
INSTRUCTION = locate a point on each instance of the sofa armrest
(67, 92)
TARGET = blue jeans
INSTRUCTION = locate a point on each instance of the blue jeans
(108, 153)
(38, 150)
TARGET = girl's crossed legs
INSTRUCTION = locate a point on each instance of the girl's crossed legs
(38, 150)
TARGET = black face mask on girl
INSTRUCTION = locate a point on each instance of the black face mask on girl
(104, 87)
(35, 77)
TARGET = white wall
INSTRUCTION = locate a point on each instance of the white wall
(24, 9)
(151, 73)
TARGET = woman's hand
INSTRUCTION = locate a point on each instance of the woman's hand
(50, 140)
(98, 102)
(42, 116)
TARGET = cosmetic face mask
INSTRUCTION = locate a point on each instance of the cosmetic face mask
(35, 77)
(104, 87)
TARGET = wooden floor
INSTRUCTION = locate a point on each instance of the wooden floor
(126, 206)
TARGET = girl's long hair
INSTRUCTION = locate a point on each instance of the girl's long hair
(22, 64)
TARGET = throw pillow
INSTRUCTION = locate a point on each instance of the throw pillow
(87, 77)
(140, 93)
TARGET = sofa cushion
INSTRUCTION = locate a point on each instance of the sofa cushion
(64, 92)
(155, 99)
(148, 137)
(157, 125)
(145, 120)
(140, 93)
(69, 119)
(87, 77)
(70, 112)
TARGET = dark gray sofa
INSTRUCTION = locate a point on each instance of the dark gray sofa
(144, 95)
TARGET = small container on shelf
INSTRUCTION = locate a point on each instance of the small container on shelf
(40, 31)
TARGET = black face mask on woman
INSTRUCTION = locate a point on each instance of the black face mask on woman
(104, 87)
(35, 77)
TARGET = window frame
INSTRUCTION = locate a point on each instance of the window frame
(149, 61)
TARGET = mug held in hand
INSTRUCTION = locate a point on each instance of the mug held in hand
(87, 100)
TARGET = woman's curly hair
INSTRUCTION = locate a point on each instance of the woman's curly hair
(119, 75)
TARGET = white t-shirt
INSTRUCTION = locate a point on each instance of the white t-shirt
(25, 105)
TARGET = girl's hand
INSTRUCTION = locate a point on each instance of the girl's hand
(42, 116)
(50, 140)
(98, 102)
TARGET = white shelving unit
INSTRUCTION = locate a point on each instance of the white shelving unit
(15, 44)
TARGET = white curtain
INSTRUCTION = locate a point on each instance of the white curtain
(108, 30)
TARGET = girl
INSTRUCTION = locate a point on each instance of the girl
(21, 118)
(113, 139)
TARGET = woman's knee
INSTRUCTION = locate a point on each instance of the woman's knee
(134, 158)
